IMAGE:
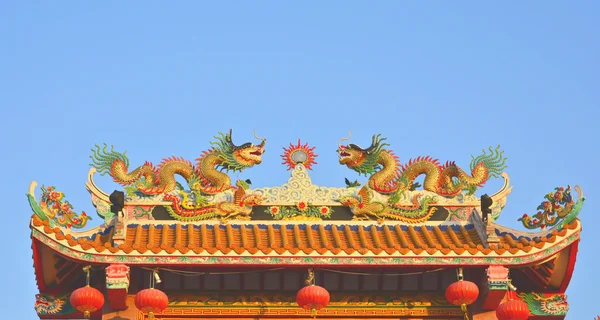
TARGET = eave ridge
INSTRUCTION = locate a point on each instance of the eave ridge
(351, 223)
(502, 230)
(101, 230)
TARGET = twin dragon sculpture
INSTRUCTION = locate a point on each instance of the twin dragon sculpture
(207, 178)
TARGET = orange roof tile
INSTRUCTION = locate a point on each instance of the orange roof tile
(307, 238)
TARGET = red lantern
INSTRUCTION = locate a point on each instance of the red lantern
(512, 310)
(462, 293)
(312, 297)
(151, 301)
(87, 299)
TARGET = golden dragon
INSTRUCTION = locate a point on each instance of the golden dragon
(204, 176)
(388, 176)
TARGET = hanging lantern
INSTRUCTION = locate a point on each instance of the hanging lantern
(312, 297)
(87, 299)
(512, 309)
(462, 293)
(151, 301)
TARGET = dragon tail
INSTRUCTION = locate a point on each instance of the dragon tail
(494, 162)
(103, 159)
(116, 164)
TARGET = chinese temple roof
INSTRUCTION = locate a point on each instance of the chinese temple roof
(438, 242)
(388, 220)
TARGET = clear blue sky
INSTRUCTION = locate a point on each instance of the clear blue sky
(156, 79)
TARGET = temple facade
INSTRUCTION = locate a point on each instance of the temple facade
(387, 247)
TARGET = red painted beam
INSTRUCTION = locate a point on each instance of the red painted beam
(117, 299)
(570, 268)
(494, 286)
(117, 285)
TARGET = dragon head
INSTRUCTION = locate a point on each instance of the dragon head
(237, 158)
(350, 202)
(557, 303)
(48, 305)
(364, 161)
(252, 200)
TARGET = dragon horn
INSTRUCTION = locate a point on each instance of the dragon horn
(373, 144)
(342, 139)
(259, 138)
(230, 140)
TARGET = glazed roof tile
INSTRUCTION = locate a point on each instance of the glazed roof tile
(307, 238)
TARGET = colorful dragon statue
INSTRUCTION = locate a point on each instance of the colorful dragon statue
(557, 208)
(364, 208)
(205, 176)
(52, 305)
(240, 206)
(388, 176)
(541, 305)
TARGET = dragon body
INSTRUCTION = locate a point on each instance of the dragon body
(364, 207)
(239, 207)
(388, 176)
(539, 304)
(205, 176)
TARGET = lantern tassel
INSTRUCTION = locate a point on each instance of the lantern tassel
(463, 307)
(313, 313)
(150, 315)
(86, 314)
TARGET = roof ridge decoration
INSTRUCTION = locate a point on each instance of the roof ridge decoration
(389, 194)
(205, 176)
(53, 208)
(545, 304)
(558, 209)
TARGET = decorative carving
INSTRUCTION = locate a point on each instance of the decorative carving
(299, 154)
(557, 209)
(141, 213)
(117, 285)
(365, 208)
(46, 304)
(546, 305)
(388, 176)
(494, 287)
(203, 177)
(301, 211)
(240, 206)
(300, 188)
(117, 276)
(338, 300)
(102, 208)
(497, 278)
(53, 208)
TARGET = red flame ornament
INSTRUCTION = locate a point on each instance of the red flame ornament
(312, 297)
(87, 299)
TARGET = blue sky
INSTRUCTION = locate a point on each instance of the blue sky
(444, 79)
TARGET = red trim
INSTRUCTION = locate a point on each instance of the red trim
(37, 265)
(572, 259)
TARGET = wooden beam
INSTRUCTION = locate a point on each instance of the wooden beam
(495, 287)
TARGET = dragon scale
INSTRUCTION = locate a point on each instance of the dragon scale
(205, 176)
(387, 176)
